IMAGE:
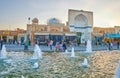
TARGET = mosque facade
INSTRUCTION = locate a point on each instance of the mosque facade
(53, 30)
(81, 22)
(79, 26)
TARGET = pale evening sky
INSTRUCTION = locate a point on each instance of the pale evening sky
(15, 13)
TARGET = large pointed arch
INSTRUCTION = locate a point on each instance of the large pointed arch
(80, 20)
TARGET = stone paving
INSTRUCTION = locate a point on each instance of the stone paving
(47, 48)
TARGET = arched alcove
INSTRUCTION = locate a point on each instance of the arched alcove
(80, 21)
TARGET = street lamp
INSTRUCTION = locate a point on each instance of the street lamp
(29, 20)
(49, 36)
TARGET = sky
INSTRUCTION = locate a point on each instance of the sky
(15, 13)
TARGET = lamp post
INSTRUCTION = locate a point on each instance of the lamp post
(29, 20)
(49, 36)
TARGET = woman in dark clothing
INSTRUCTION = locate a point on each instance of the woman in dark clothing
(1, 44)
(64, 46)
(118, 44)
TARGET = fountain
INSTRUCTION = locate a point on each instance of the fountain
(118, 71)
(85, 63)
(36, 65)
(88, 47)
(72, 53)
(19, 61)
(37, 52)
(22, 76)
(3, 53)
(66, 51)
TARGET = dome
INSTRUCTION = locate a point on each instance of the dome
(53, 21)
(35, 21)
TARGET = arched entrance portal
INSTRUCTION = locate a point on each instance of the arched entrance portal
(80, 21)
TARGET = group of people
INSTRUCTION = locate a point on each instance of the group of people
(111, 44)
(59, 46)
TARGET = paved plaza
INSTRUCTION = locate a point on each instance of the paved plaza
(81, 48)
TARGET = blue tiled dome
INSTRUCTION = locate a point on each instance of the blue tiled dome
(53, 21)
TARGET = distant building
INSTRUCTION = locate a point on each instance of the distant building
(81, 22)
(79, 27)
(100, 31)
(117, 29)
(54, 30)
(9, 36)
(108, 34)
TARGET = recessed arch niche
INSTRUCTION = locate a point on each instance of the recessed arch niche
(80, 20)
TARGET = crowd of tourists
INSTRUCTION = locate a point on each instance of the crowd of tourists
(59, 46)
(62, 45)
